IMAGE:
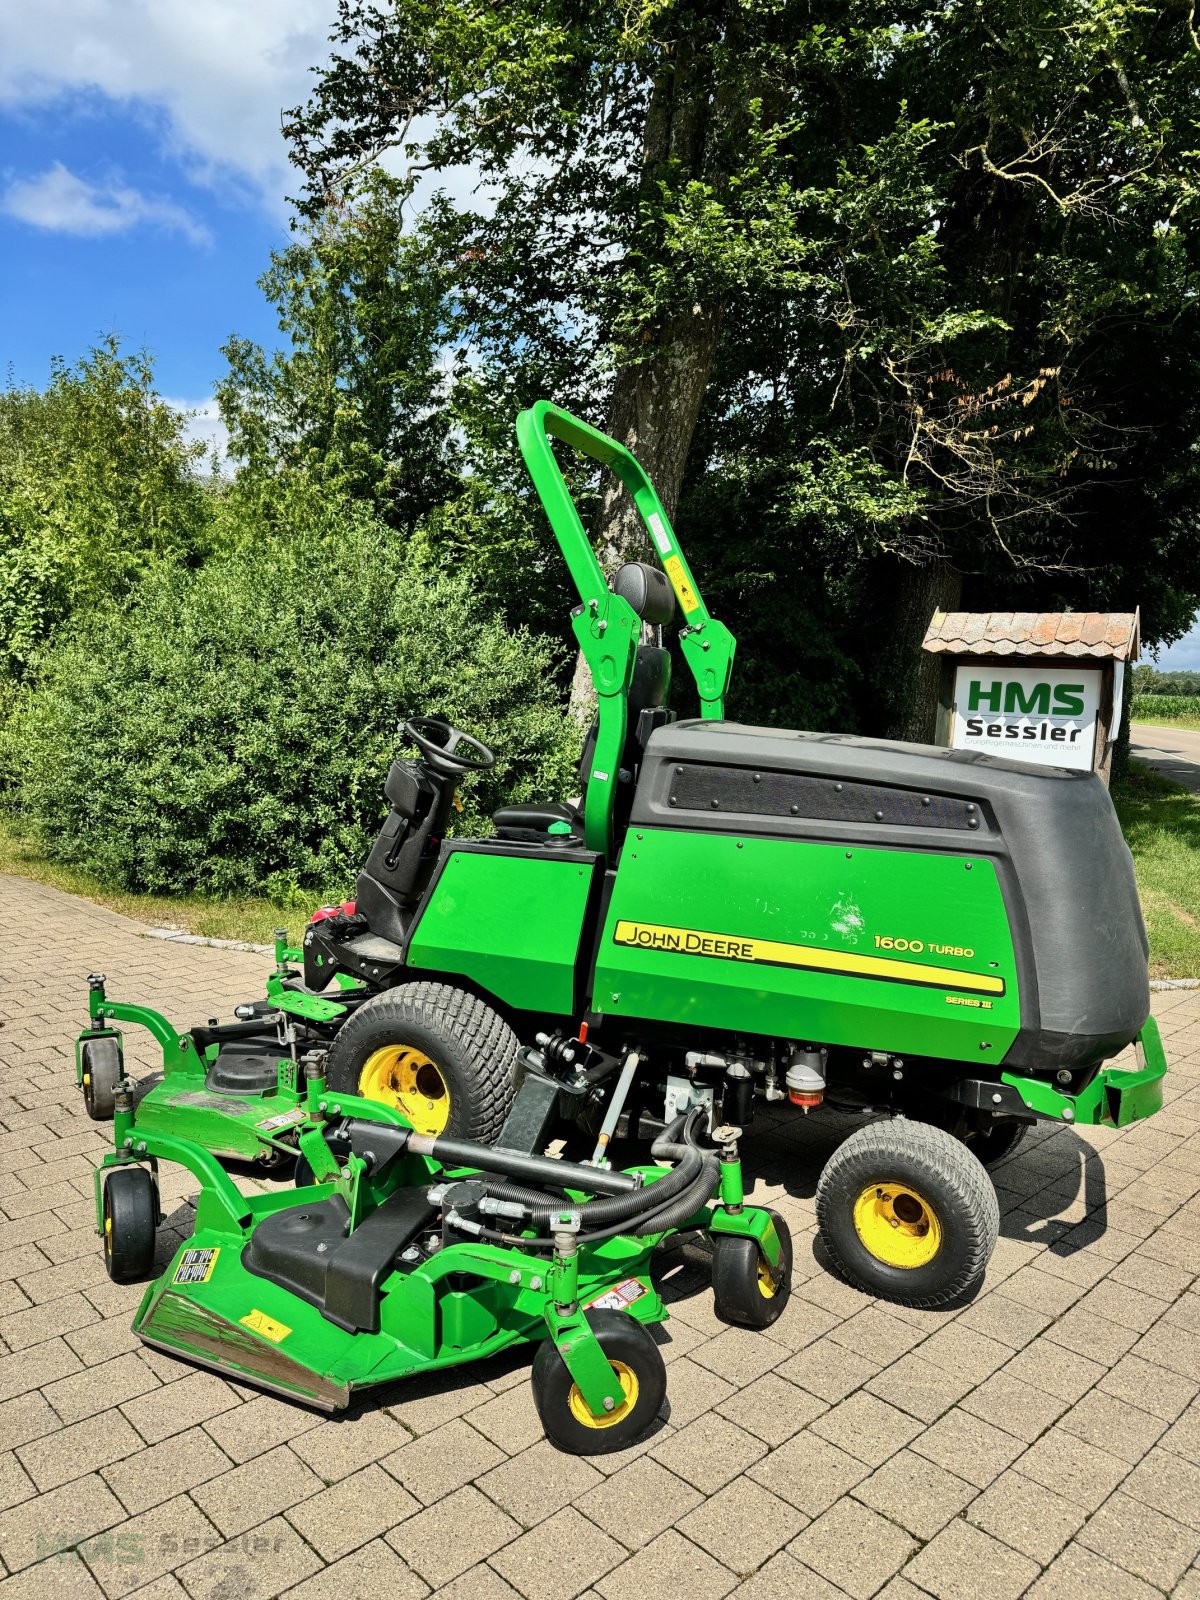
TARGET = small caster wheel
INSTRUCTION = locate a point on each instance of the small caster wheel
(997, 1140)
(746, 1289)
(130, 1223)
(638, 1364)
(103, 1068)
(908, 1213)
(303, 1174)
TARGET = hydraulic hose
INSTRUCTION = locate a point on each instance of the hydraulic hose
(653, 1208)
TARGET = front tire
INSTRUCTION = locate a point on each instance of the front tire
(746, 1290)
(102, 1070)
(130, 1216)
(907, 1213)
(639, 1366)
(440, 1056)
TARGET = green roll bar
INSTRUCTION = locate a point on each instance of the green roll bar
(607, 627)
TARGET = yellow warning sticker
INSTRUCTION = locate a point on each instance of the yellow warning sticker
(815, 958)
(686, 595)
(196, 1266)
(260, 1322)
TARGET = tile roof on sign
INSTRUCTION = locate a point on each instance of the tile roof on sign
(1028, 633)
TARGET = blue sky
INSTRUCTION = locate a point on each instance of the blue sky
(143, 177)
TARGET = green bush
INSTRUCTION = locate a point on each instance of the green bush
(1165, 708)
(228, 730)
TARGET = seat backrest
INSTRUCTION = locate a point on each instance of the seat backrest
(649, 693)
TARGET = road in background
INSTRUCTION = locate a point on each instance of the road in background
(1173, 752)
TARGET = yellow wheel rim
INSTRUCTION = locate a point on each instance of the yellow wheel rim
(107, 1234)
(408, 1080)
(767, 1286)
(629, 1390)
(897, 1225)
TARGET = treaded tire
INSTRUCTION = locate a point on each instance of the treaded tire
(946, 1174)
(740, 1295)
(102, 1071)
(473, 1048)
(994, 1143)
(623, 1341)
(130, 1223)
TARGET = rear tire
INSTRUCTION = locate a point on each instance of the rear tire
(130, 1214)
(634, 1357)
(103, 1069)
(745, 1289)
(439, 1055)
(908, 1213)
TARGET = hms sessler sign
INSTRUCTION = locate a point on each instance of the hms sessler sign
(1044, 713)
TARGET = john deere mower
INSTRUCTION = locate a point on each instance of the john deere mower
(946, 944)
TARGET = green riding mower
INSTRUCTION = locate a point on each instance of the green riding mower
(404, 1252)
(947, 945)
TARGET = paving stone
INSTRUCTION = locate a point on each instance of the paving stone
(28, 1416)
(964, 1563)
(1021, 1514)
(1018, 1409)
(1073, 1469)
(559, 1559)
(1123, 1430)
(920, 1387)
(510, 1420)
(854, 1548)
(538, 1482)
(32, 1369)
(482, 1583)
(809, 1473)
(1169, 1484)
(60, 1578)
(968, 1447)
(1041, 1291)
(56, 1521)
(440, 1462)
(446, 1539)
(739, 1355)
(866, 1427)
(1183, 1438)
(15, 1483)
(87, 1392)
(164, 1470)
(375, 1572)
(694, 1391)
(742, 1525)
(1143, 1541)
(830, 1370)
(1161, 1393)
(250, 1494)
(877, 1335)
(85, 1446)
(639, 1502)
(148, 1546)
(351, 1512)
(998, 1316)
(1171, 1346)
(255, 1566)
(248, 1430)
(916, 1493)
(671, 1565)
(1050, 1366)
(1080, 1574)
(709, 1452)
(336, 1448)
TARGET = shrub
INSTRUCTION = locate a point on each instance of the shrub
(228, 730)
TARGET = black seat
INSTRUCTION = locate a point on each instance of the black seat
(650, 594)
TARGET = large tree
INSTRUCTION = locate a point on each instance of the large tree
(924, 280)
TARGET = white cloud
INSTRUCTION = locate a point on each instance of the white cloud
(63, 203)
(214, 76)
(1183, 655)
(202, 422)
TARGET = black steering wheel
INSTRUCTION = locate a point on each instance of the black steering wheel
(439, 742)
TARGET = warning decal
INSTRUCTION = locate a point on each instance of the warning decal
(815, 958)
(618, 1298)
(284, 1119)
(196, 1266)
(686, 595)
(259, 1322)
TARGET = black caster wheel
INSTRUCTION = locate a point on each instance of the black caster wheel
(908, 1213)
(746, 1290)
(102, 1071)
(638, 1364)
(130, 1223)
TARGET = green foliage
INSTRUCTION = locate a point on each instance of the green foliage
(230, 731)
(96, 485)
(1148, 680)
(1165, 708)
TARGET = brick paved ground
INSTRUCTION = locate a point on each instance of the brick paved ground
(1044, 1440)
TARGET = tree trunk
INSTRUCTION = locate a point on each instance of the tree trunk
(656, 400)
(908, 678)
